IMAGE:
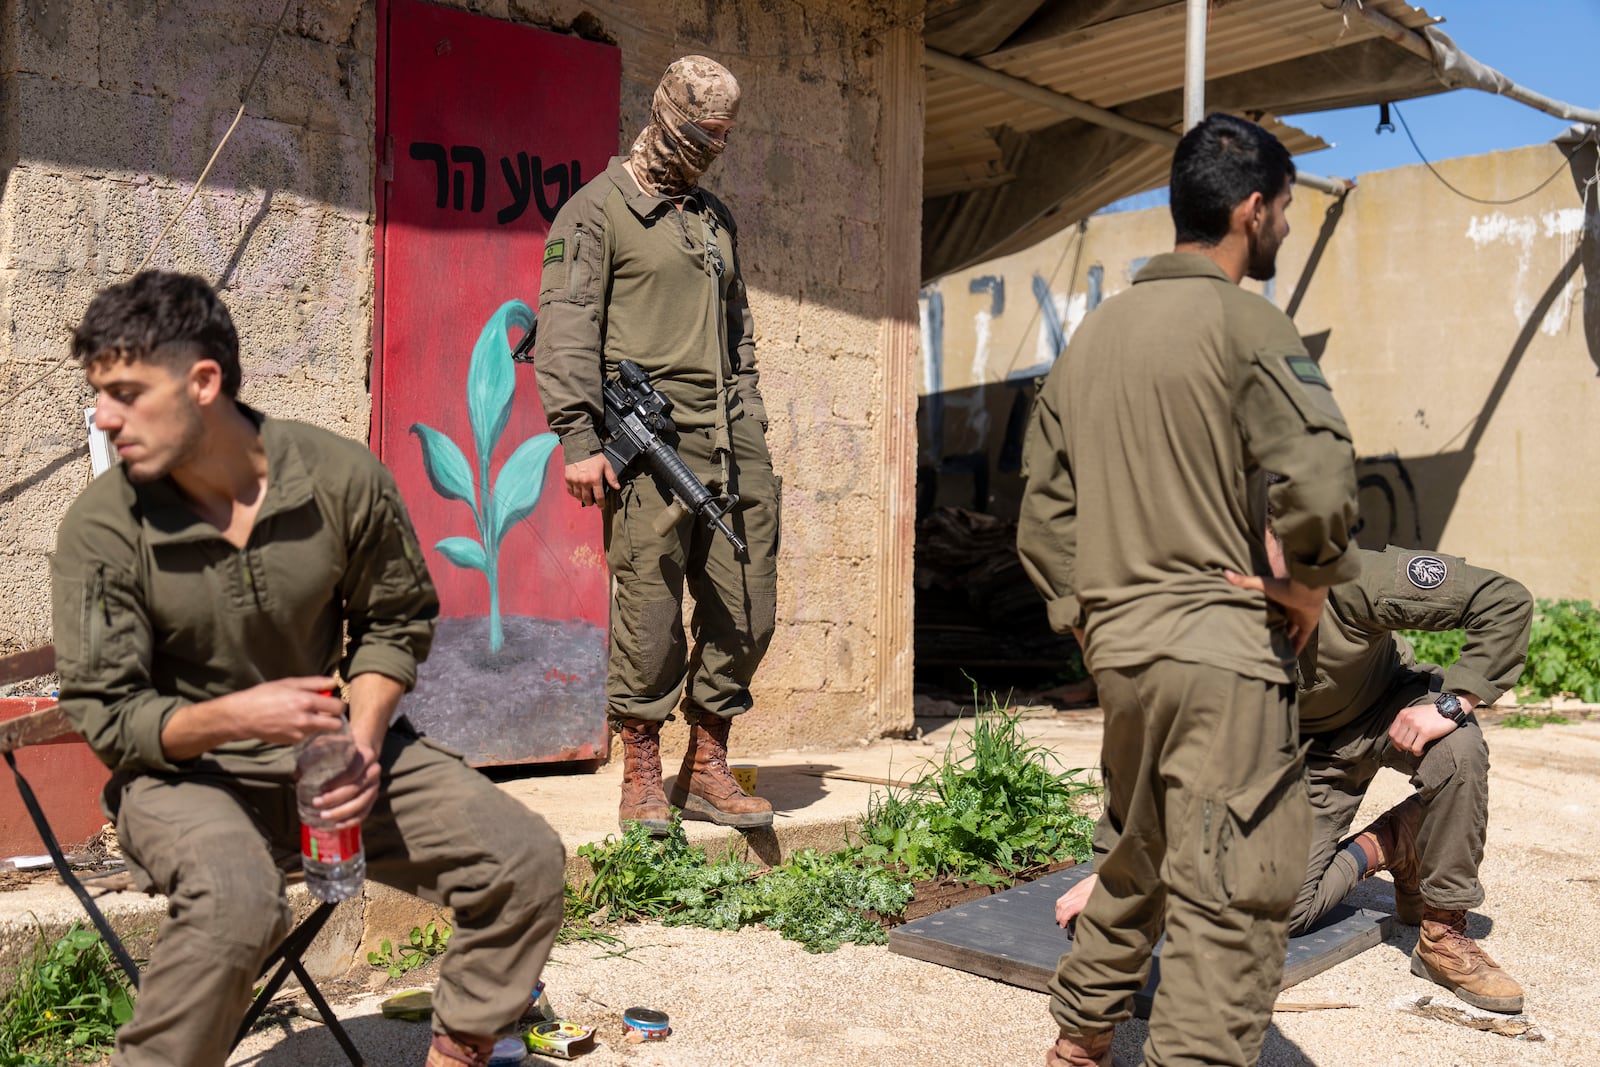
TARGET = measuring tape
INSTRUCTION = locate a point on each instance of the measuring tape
(645, 1024)
(559, 1038)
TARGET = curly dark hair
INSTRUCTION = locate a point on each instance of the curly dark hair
(160, 317)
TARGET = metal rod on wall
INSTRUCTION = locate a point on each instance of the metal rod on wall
(1194, 64)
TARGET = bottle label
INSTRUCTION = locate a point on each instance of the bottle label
(329, 846)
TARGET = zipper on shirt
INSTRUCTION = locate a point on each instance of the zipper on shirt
(682, 214)
(249, 576)
(408, 547)
(573, 288)
(99, 614)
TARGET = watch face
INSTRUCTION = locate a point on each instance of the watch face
(1449, 706)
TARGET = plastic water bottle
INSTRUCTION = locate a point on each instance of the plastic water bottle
(334, 863)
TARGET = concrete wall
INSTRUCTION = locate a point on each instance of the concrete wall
(1461, 339)
(111, 110)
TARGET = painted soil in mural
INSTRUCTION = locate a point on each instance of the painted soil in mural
(540, 690)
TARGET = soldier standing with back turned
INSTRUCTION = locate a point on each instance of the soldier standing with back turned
(641, 265)
(1168, 399)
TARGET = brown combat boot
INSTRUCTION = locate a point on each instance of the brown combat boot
(1084, 1050)
(1390, 844)
(1446, 955)
(644, 800)
(706, 790)
(453, 1050)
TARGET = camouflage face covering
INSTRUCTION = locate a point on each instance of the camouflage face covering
(672, 152)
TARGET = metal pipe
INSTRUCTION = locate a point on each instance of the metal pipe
(1332, 186)
(1194, 64)
(1417, 44)
(1077, 109)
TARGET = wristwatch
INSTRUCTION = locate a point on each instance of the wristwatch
(1449, 705)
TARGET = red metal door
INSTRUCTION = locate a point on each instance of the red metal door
(484, 129)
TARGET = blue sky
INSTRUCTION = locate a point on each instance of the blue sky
(1546, 45)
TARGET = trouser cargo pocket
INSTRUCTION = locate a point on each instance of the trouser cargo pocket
(1261, 834)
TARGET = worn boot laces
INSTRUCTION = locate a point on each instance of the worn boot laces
(716, 755)
(646, 747)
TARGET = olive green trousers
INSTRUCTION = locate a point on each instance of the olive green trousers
(652, 667)
(1451, 776)
(218, 840)
(1204, 837)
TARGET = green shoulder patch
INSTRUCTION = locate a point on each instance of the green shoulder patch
(1304, 367)
(555, 250)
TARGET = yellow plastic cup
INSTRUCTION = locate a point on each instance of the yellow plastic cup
(745, 775)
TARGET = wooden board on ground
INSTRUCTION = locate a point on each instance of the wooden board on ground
(1012, 937)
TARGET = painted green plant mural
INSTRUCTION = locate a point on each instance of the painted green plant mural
(499, 504)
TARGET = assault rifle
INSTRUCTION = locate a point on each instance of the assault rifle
(636, 417)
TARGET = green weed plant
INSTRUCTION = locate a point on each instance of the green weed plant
(424, 944)
(817, 899)
(1442, 648)
(1522, 720)
(67, 1002)
(1000, 809)
(1564, 651)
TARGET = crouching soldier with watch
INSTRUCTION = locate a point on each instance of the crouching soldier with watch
(1365, 703)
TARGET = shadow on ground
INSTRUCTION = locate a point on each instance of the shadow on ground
(1276, 1050)
(379, 1040)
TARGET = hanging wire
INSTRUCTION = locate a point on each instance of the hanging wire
(244, 98)
(1478, 199)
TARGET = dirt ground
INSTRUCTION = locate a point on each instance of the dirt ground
(752, 998)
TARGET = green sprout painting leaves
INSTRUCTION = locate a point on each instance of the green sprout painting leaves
(498, 504)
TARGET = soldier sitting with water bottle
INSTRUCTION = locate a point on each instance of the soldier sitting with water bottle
(204, 593)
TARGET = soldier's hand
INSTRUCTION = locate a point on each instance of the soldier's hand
(287, 710)
(587, 479)
(1301, 603)
(1070, 903)
(350, 796)
(1418, 726)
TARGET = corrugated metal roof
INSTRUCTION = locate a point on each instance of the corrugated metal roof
(1118, 61)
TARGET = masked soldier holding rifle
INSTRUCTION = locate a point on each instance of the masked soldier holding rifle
(641, 266)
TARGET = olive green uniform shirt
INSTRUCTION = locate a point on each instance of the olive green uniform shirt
(1356, 656)
(1145, 433)
(628, 276)
(155, 610)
